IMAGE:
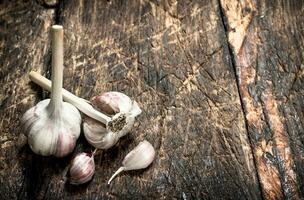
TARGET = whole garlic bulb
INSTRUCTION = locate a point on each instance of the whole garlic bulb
(53, 126)
(118, 105)
(82, 168)
(139, 158)
(51, 131)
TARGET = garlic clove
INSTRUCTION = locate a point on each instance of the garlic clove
(65, 143)
(31, 115)
(139, 158)
(112, 102)
(116, 103)
(82, 169)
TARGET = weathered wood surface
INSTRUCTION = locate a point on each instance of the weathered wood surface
(267, 43)
(24, 46)
(220, 84)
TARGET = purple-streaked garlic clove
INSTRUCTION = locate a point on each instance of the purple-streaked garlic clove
(118, 105)
(82, 169)
(112, 102)
(139, 158)
(53, 126)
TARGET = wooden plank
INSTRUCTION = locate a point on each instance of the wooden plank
(267, 42)
(24, 46)
(172, 57)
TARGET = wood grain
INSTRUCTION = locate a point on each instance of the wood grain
(220, 84)
(267, 44)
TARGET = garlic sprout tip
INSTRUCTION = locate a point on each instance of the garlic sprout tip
(115, 174)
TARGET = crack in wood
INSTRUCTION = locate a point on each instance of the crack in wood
(233, 64)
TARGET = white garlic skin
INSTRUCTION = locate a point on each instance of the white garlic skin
(52, 133)
(82, 169)
(97, 135)
(111, 103)
(139, 158)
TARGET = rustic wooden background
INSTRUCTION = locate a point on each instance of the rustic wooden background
(220, 82)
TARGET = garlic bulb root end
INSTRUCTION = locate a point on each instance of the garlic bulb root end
(117, 123)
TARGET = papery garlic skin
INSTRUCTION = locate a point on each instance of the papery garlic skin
(97, 135)
(52, 134)
(82, 169)
(139, 158)
(112, 103)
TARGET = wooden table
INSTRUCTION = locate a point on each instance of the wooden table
(220, 82)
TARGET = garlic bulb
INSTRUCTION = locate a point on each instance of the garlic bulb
(112, 103)
(82, 168)
(100, 130)
(139, 158)
(53, 126)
